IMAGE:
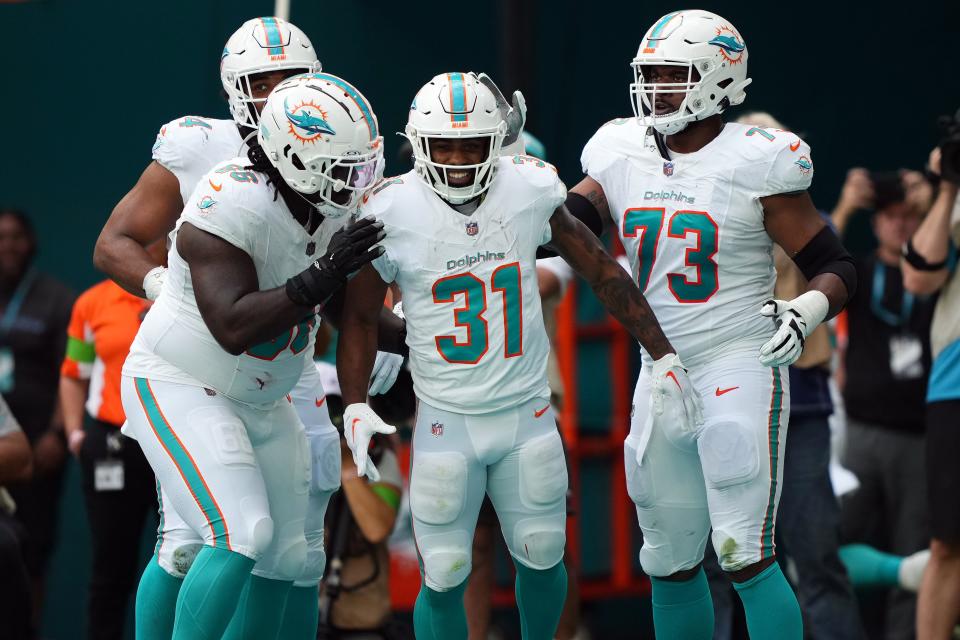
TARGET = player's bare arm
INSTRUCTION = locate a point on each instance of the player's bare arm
(793, 222)
(363, 306)
(612, 285)
(144, 216)
(228, 296)
(227, 289)
(391, 330)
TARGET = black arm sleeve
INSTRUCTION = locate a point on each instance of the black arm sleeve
(584, 211)
(825, 254)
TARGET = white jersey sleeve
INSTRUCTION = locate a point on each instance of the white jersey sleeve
(190, 146)
(541, 176)
(220, 206)
(790, 167)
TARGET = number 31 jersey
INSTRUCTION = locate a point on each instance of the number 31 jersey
(693, 227)
(469, 284)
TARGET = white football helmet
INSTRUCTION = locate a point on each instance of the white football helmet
(455, 105)
(322, 136)
(261, 45)
(695, 40)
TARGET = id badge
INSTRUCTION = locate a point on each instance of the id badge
(108, 475)
(6, 370)
(906, 357)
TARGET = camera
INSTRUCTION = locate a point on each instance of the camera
(950, 148)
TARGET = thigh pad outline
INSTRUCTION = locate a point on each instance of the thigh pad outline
(225, 434)
(728, 453)
(438, 487)
(543, 472)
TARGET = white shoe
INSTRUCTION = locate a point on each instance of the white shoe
(910, 574)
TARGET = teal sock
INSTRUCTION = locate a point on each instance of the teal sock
(682, 610)
(259, 610)
(300, 617)
(209, 595)
(770, 606)
(540, 598)
(439, 615)
(156, 603)
(868, 567)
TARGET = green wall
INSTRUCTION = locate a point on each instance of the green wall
(87, 85)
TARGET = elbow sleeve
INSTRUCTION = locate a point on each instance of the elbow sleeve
(825, 254)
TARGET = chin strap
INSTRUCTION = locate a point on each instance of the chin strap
(661, 145)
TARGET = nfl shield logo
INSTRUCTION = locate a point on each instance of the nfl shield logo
(668, 169)
(436, 429)
(473, 228)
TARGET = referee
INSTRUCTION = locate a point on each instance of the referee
(118, 485)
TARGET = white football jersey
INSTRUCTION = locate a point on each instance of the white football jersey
(174, 343)
(190, 146)
(693, 227)
(469, 285)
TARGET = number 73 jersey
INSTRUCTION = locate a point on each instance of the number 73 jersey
(469, 285)
(693, 227)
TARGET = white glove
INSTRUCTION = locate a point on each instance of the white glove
(398, 310)
(795, 320)
(515, 115)
(385, 370)
(153, 282)
(671, 385)
(360, 422)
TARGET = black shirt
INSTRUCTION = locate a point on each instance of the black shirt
(888, 353)
(37, 338)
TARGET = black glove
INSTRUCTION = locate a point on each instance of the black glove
(350, 248)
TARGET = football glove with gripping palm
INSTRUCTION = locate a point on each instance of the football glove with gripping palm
(360, 422)
(795, 320)
(350, 249)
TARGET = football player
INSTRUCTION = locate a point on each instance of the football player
(259, 55)
(206, 385)
(462, 233)
(698, 203)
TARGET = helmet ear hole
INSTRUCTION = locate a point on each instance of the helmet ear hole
(723, 84)
(295, 161)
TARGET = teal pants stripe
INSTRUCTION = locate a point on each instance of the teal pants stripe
(185, 464)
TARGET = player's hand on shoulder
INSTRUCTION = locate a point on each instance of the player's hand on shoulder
(360, 423)
(794, 320)
(674, 396)
(350, 249)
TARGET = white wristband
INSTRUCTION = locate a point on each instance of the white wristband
(153, 282)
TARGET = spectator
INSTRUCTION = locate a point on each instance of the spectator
(34, 313)
(16, 464)
(119, 488)
(355, 593)
(883, 373)
(926, 269)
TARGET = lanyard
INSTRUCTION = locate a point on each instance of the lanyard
(16, 301)
(876, 300)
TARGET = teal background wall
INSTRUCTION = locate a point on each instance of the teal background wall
(85, 86)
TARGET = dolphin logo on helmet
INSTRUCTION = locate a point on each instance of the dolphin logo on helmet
(313, 125)
(730, 44)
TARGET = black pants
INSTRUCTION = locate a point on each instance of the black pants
(117, 518)
(16, 600)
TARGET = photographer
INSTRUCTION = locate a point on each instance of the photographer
(883, 373)
(355, 594)
(928, 266)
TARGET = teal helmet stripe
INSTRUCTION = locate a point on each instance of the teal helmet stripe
(458, 97)
(658, 28)
(274, 39)
(185, 465)
(359, 99)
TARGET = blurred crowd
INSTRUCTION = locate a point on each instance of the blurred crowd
(868, 516)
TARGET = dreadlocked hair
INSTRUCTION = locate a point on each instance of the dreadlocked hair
(261, 164)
